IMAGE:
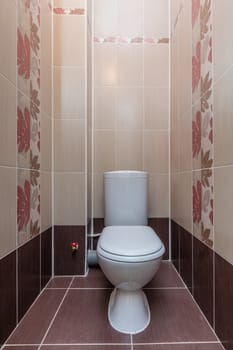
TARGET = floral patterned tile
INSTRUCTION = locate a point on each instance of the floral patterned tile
(28, 119)
(202, 121)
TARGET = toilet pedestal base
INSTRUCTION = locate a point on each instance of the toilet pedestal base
(128, 311)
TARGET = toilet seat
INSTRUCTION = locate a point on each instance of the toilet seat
(130, 244)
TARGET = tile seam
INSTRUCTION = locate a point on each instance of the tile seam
(55, 315)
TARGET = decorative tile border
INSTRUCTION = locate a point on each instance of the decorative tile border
(28, 120)
(68, 11)
(202, 122)
(130, 40)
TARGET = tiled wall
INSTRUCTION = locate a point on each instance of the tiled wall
(131, 95)
(201, 155)
(70, 129)
(25, 156)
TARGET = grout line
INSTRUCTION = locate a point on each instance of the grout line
(27, 312)
(179, 343)
(200, 310)
(111, 288)
(52, 321)
(131, 341)
(177, 272)
(87, 344)
(113, 344)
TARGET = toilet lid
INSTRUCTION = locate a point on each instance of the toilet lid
(130, 240)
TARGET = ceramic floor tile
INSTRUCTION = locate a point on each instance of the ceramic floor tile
(174, 318)
(87, 347)
(179, 347)
(82, 319)
(33, 326)
(59, 282)
(166, 277)
(94, 279)
(17, 347)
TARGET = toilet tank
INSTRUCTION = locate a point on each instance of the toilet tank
(125, 198)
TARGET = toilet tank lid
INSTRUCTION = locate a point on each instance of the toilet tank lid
(125, 173)
(130, 240)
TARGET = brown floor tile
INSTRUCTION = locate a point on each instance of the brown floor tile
(34, 325)
(16, 347)
(59, 282)
(174, 318)
(88, 347)
(94, 279)
(165, 277)
(82, 318)
(179, 347)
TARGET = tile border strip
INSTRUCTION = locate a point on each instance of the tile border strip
(130, 40)
(68, 11)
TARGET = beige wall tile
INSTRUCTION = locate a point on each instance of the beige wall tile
(8, 210)
(129, 108)
(105, 65)
(222, 36)
(129, 150)
(46, 143)
(8, 37)
(46, 202)
(69, 145)
(181, 199)
(156, 16)
(69, 37)
(223, 121)
(8, 124)
(98, 197)
(158, 195)
(104, 151)
(69, 199)
(130, 20)
(185, 141)
(156, 61)
(155, 155)
(156, 106)
(69, 91)
(105, 23)
(46, 60)
(105, 108)
(130, 64)
(70, 3)
(223, 209)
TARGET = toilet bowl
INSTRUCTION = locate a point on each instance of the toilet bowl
(129, 256)
(128, 251)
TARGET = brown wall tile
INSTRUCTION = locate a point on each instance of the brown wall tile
(186, 239)
(161, 227)
(66, 262)
(203, 277)
(28, 274)
(7, 296)
(46, 256)
(224, 301)
(175, 244)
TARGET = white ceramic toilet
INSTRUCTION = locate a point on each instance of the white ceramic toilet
(129, 252)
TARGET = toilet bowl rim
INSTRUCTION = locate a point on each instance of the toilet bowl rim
(130, 259)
